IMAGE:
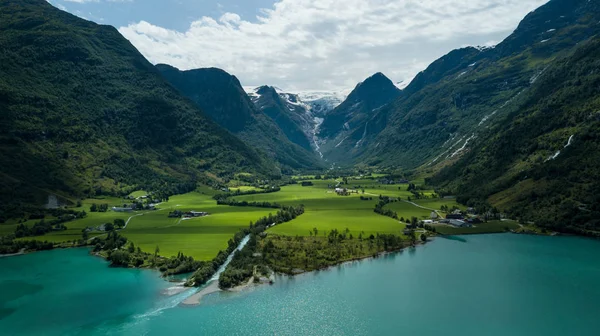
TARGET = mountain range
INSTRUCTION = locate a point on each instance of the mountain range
(514, 126)
(221, 96)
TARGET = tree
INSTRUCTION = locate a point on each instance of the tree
(131, 248)
(119, 222)
(119, 258)
(84, 235)
(423, 237)
(109, 227)
(94, 207)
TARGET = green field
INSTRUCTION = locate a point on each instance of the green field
(408, 210)
(201, 238)
(138, 193)
(436, 203)
(326, 211)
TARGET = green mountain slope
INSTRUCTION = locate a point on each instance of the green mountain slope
(83, 111)
(541, 162)
(222, 97)
(447, 105)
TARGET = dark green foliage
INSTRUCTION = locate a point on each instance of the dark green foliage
(379, 207)
(83, 110)
(291, 255)
(9, 245)
(119, 258)
(119, 223)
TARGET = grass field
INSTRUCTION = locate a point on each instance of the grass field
(201, 238)
(138, 193)
(326, 211)
(408, 210)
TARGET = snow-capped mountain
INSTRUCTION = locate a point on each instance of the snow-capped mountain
(303, 111)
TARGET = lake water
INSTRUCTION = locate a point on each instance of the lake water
(473, 285)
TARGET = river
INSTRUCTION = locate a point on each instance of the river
(474, 285)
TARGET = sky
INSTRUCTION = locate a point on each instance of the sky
(304, 45)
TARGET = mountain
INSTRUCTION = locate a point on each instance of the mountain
(540, 163)
(298, 114)
(443, 111)
(84, 112)
(368, 96)
(513, 127)
(290, 115)
(222, 97)
(343, 128)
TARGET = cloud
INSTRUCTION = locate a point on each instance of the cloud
(330, 44)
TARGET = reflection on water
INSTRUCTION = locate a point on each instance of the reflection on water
(461, 239)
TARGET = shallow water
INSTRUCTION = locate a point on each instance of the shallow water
(479, 285)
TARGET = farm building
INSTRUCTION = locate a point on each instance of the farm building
(120, 209)
(459, 223)
(190, 214)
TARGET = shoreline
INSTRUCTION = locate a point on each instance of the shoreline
(196, 298)
(21, 252)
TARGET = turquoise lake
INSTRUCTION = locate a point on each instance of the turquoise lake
(472, 285)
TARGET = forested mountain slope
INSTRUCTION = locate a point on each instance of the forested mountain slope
(221, 96)
(444, 109)
(82, 111)
(540, 163)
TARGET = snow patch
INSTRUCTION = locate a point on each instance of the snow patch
(544, 41)
(462, 74)
(472, 65)
(550, 30)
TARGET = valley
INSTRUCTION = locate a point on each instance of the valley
(470, 183)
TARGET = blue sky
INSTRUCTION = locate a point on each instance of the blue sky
(176, 14)
(303, 45)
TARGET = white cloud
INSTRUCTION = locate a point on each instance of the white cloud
(330, 44)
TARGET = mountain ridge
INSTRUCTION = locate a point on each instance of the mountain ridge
(223, 98)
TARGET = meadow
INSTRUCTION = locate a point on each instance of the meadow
(326, 211)
(202, 238)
